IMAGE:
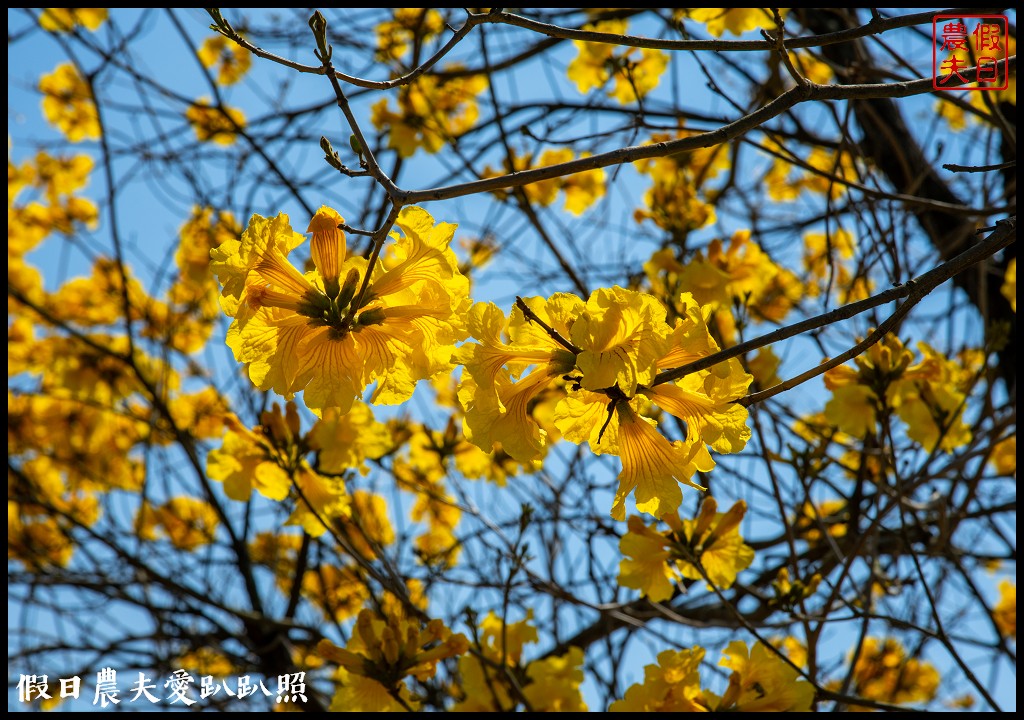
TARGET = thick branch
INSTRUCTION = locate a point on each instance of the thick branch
(891, 147)
(875, 26)
(741, 126)
(1004, 236)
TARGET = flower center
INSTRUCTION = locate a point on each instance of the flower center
(334, 308)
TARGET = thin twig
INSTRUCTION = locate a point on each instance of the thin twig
(779, 41)
(555, 335)
(953, 167)
(224, 28)
(1005, 234)
(784, 102)
(876, 26)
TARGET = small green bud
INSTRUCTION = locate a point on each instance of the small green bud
(219, 23)
(348, 290)
(372, 317)
(318, 24)
(329, 154)
(332, 287)
(315, 305)
(353, 142)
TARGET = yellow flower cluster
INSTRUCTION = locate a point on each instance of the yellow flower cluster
(69, 105)
(544, 685)
(43, 502)
(252, 459)
(36, 540)
(760, 681)
(708, 547)
(74, 437)
(1004, 456)
(499, 404)
(59, 20)
(581, 190)
(736, 20)
(421, 467)
(55, 180)
(337, 591)
(231, 59)
(271, 459)
(636, 71)
(98, 299)
(332, 331)
(834, 170)
(77, 435)
(1005, 611)
(742, 272)
(811, 67)
(1009, 286)
(823, 262)
(206, 660)
(675, 201)
(407, 27)
(929, 396)
(202, 414)
(609, 350)
(188, 320)
(87, 443)
(381, 654)
(883, 672)
(219, 124)
(187, 522)
(789, 593)
(828, 515)
(722, 277)
(183, 324)
(431, 112)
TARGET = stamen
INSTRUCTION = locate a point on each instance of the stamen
(259, 296)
